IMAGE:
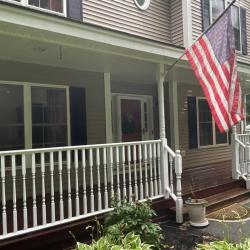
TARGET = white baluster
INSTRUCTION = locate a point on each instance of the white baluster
(99, 195)
(69, 184)
(171, 173)
(25, 215)
(151, 171)
(92, 205)
(118, 173)
(4, 214)
(34, 206)
(155, 169)
(129, 174)
(159, 166)
(77, 183)
(140, 167)
(13, 163)
(85, 205)
(43, 189)
(111, 162)
(146, 170)
(135, 172)
(52, 190)
(124, 174)
(105, 178)
(60, 186)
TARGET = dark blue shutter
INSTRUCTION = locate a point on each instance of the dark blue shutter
(243, 31)
(192, 122)
(205, 6)
(78, 116)
(74, 9)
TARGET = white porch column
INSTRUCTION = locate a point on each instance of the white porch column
(173, 107)
(160, 76)
(187, 22)
(108, 111)
(27, 116)
(235, 154)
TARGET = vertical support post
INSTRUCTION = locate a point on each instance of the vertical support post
(248, 166)
(160, 75)
(179, 201)
(235, 154)
(108, 115)
(173, 107)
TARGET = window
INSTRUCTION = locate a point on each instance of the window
(208, 133)
(12, 117)
(142, 4)
(55, 6)
(49, 117)
(211, 11)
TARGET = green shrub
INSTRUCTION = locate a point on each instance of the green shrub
(224, 245)
(129, 242)
(134, 217)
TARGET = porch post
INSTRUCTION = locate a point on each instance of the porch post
(235, 154)
(108, 111)
(108, 119)
(173, 107)
(160, 72)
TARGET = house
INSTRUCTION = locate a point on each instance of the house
(88, 114)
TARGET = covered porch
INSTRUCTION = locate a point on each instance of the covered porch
(83, 123)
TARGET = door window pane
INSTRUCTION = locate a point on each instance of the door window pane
(49, 117)
(11, 118)
(205, 124)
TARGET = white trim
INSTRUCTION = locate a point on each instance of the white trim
(79, 35)
(117, 97)
(187, 23)
(144, 6)
(25, 3)
(213, 129)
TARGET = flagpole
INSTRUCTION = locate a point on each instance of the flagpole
(208, 28)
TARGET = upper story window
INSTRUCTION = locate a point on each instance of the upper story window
(211, 11)
(142, 4)
(52, 6)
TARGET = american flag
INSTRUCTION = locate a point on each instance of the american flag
(214, 62)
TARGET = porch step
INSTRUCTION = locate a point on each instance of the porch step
(219, 197)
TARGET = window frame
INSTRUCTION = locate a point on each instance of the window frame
(226, 3)
(25, 3)
(198, 98)
(245, 110)
(144, 6)
(27, 107)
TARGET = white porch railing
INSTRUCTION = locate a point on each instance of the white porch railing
(47, 187)
(241, 157)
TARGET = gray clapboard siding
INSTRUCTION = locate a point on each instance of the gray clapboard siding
(176, 23)
(197, 24)
(123, 15)
(196, 157)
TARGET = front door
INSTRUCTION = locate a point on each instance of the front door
(133, 118)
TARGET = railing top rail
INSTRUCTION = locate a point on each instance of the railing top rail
(243, 134)
(240, 142)
(171, 152)
(92, 146)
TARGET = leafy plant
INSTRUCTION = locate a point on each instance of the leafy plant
(129, 242)
(134, 217)
(224, 245)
